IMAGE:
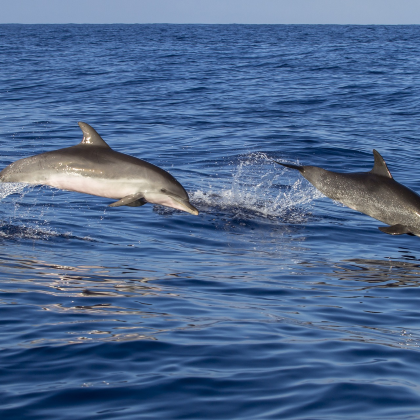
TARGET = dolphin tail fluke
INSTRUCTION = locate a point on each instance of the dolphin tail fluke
(289, 165)
(397, 230)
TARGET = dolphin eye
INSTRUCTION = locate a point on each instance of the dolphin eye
(163, 190)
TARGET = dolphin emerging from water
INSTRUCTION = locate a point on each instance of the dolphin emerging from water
(374, 193)
(92, 167)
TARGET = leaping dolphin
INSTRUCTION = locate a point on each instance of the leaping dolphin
(92, 167)
(374, 193)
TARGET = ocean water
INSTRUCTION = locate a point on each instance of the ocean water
(275, 302)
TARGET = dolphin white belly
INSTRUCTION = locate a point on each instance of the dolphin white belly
(101, 187)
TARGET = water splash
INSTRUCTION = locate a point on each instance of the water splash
(18, 220)
(9, 188)
(25, 217)
(259, 188)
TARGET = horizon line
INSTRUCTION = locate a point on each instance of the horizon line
(225, 24)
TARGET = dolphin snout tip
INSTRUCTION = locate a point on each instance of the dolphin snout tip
(184, 205)
(191, 209)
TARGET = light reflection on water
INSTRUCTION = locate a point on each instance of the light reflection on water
(111, 295)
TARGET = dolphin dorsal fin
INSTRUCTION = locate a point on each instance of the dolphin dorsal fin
(91, 137)
(379, 167)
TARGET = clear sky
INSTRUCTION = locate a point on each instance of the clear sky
(211, 11)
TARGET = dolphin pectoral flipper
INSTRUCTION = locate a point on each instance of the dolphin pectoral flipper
(133, 200)
(397, 230)
(137, 203)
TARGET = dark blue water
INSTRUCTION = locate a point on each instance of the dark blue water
(273, 303)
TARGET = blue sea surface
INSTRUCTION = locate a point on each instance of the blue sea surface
(275, 302)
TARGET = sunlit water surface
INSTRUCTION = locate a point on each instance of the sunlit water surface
(273, 303)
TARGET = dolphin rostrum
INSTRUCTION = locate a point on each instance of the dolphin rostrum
(92, 167)
(374, 193)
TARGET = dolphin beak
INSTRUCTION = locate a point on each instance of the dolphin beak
(171, 200)
(188, 207)
(183, 204)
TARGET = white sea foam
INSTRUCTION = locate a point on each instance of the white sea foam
(259, 188)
